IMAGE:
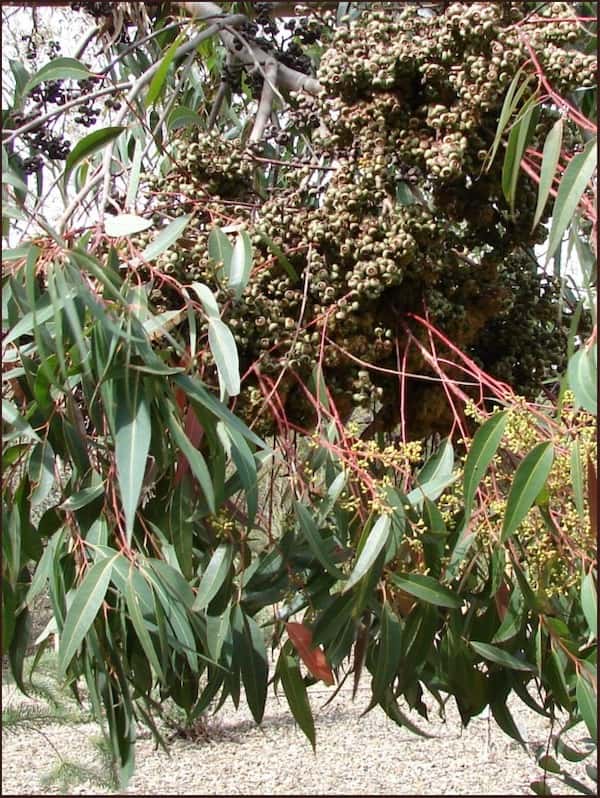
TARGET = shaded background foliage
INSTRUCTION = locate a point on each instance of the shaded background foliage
(332, 218)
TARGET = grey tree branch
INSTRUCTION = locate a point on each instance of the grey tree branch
(289, 79)
(266, 102)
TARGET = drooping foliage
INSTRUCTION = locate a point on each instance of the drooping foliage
(289, 371)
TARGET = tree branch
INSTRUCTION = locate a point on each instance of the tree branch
(288, 79)
(266, 102)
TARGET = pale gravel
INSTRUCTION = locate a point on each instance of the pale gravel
(356, 755)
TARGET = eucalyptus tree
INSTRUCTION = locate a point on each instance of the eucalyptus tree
(299, 245)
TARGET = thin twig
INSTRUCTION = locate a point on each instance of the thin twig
(40, 120)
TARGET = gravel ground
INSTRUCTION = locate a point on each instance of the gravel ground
(355, 755)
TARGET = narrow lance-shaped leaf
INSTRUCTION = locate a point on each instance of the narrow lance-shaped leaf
(435, 475)
(589, 602)
(88, 146)
(214, 576)
(517, 142)
(139, 624)
(587, 701)
(254, 666)
(158, 81)
(58, 69)
(166, 238)
(313, 656)
(481, 451)
(369, 552)
(241, 264)
(125, 224)
(528, 481)
(511, 100)
(208, 299)
(86, 602)
(577, 479)
(315, 541)
(388, 653)
(500, 657)
(224, 350)
(132, 443)
(550, 156)
(220, 248)
(582, 373)
(572, 185)
(296, 694)
(427, 589)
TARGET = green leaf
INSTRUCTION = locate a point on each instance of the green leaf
(166, 238)
(577, 479)
(139, 624)
(132, 443)
(511, 100)
(587, 700)
(253, 663)
(196, 391)
(370, 550)
(88, 146)
(224, 350)
(134, 180)
(481, 451)
(541, 788)
(158, 81)
(17, 252)
(282, 259)
(220, 249)
(549, 763)
(208, 299)
(315, 541)
(427, 589)
(517, 142)
(390, 706)
(84, 607)
(582, 373)
(528, 481)
(388, 653)
(297, 695)
(181, 527)
(11, 416)
(196, 460)
(214, 576)
(21, 76)
(589, 602)
(573, 183)
(41, 471)
(181, 116)
(513, 620)
(125, 224)
(435, 475)
(550, 158)
(245, 464)
(240, 265)
(58, 69)
(18, 647)
(500, 657)
(505, 720)
(217, 630)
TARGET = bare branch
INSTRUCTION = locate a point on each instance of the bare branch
(266, 102)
